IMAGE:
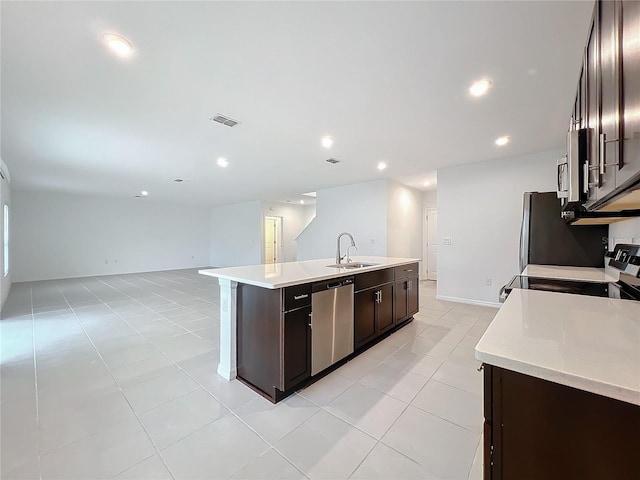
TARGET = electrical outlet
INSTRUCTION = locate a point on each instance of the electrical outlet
(446, 240)
(488, 282)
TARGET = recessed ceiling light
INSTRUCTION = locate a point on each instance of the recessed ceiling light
(427, 183)
(501, 141)
(118, 45)
(382, 166)
(480, 87)
(327, 142)
(301, 202)
(144, 193)
(222, 162)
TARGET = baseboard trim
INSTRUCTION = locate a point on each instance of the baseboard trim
(469, 301)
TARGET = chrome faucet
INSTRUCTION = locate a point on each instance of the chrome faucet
(339, 257)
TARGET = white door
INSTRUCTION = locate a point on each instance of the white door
(432, 245)
(272, 229)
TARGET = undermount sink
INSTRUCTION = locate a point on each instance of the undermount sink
(353, 265)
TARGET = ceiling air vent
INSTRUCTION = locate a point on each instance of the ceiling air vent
(229, 122)
(333, 160)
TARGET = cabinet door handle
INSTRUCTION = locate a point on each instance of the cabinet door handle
(603, 153)
(300, 297)
(409, 285)
(379, 296)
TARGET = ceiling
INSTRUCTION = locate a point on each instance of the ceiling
(388, 80)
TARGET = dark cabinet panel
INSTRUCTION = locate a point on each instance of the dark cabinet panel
(259, 337)
(412, 296)
(609, 135)
(296, 347)
(401, 294)
(374, 313)
(385, 318)
(592, 112)
(630, 42)
(297, 296)
(372, 279)
(364, 312)
(541, 429)
(406, 271)
(406, 298)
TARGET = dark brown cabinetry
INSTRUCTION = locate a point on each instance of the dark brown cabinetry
(537, 429)
(611, 91)
(406, 291)
(297, 347)
(274, 344)
(373, 313)
(373, 307)
(630, 46)
(274, 334)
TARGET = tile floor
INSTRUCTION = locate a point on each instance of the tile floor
(114, 377)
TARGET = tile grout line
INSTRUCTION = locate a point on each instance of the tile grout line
(35, 375)
(121, 392)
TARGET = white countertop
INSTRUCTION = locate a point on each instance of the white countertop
(586, 274)
(278, 275)
(590, 343)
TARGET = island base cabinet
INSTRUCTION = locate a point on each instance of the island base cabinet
(406, 298)
(274, 346)
(373, 313)
(297, 347)
(537, 429)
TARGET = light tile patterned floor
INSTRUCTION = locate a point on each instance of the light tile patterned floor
(114, 377)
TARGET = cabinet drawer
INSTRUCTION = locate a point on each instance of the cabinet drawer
(372, 279)
(297, 296)
(406, 271)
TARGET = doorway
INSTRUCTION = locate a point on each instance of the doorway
(272, 239)
(430, 245)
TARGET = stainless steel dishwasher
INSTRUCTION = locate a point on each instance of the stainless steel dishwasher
(331, 322)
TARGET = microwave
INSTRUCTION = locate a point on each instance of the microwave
(573, 170)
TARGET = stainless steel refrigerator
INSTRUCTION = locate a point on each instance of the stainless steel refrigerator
(546, 239)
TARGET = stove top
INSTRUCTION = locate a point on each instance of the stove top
(593, 289)
(625, 258)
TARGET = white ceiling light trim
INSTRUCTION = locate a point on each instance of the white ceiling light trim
(480, 87)
(502, 141)
(327, 141)
(118, 45)
(144, 193)
(222, 162)
(382, 166)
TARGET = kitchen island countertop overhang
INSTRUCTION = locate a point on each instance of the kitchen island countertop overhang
(280, 275)
(273, 277)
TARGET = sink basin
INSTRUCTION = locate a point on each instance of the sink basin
(353, 265)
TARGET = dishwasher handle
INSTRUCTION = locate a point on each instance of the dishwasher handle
(334, 285)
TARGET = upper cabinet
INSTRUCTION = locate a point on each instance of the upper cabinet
(630, 86)
(608, 104)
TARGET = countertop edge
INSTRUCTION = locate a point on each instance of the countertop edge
(581, 383)
(214, 272)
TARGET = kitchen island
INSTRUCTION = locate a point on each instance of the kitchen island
(265, 312)
(562, 384)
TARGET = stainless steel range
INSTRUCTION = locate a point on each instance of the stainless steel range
(625, 258)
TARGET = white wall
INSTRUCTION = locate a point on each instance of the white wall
(430, 199)
(236, 234)
(480, 208)
(65, 236)
(627, 231)
(404, 221)
(294, 219)
(5, 197)
(360, 209)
